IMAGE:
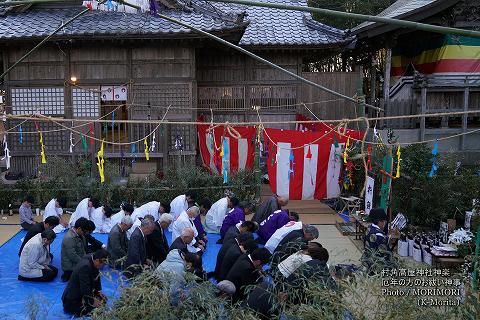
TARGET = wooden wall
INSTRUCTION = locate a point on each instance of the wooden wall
(320, 102)
(156, 75)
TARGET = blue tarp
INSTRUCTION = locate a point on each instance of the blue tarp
(15, 295)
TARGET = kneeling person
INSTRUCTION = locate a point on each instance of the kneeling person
(35, 259)
(83, 292)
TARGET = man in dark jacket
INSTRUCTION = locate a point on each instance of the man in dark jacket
(118, 242)
(83, 291)
(246, 270)
(137, 249)
(49, 223)
(226, 246)
(157, 244)
(233, 254)
(294, 241)
(234, 231)
(272, 204)
(74, 247)
(92, 243)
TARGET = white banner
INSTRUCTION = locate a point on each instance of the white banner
(114, 93)
(369, 194)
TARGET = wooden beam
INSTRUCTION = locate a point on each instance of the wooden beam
(423, 111)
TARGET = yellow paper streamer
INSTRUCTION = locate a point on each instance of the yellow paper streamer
(147, 155)
(42, 148)
(345, 151)
(101, 163)
(398, 163)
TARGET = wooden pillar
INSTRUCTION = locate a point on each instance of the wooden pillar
(386, 82)
(466, 98)
(373, 82)
(423, 111)
(361, 97)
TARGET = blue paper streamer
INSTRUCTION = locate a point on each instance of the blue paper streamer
(21, 135)
(225, 160)
(113, 119)
(291, 162)
(434, 160)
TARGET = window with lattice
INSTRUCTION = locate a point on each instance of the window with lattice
(151, 101)
(55, 138)
(48, 101)
(185, 134)
(86, 102)
(282, 97)
(221, 98)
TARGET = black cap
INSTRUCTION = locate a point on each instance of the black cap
(377, 214)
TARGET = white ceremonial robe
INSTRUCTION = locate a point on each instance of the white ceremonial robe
(102, 223)
(117, 218)
(177, 206)
(82, 210)
(278, 236)
(183, 221)
(150, 208)
(52, 210)
(215, 216)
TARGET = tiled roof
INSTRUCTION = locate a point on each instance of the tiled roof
(401, 9)
(282, 27)
(265, 26)
(39, 22)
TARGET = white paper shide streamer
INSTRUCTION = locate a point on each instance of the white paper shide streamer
(7, 152)
(71, 142)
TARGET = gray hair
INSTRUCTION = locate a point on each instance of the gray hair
(166, 217)
(127, 220)
(308, 228)
(147, 223)
(187, 232)
(195, 210)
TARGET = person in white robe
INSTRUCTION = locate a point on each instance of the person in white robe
(125, 209)
(84, 209)
(153, 208)
(55, 208)
(180, 204)
(184, 221)
(101, 217)
(215, 216)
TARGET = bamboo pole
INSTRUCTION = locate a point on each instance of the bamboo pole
(362, 17)
(258, 58)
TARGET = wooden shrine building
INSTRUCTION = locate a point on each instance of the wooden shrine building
(137, 65)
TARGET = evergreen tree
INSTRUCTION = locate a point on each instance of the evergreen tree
(371, 7)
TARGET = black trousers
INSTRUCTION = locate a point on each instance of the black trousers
(66, 275)
(47, 275)
(26, 226)
(76, 307)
